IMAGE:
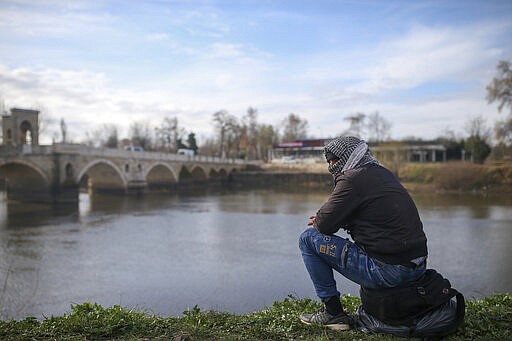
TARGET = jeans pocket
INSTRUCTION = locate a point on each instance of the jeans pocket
(344, 255)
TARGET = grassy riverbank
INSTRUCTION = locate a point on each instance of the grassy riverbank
(441, 176)
(459, 176)
(489, 318)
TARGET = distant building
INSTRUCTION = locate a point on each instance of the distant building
(21, 127)
(409, 151)
(299, 151)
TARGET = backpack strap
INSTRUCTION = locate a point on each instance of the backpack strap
(461, 308)
(452, 293)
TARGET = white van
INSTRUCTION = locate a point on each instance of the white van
(186, 151)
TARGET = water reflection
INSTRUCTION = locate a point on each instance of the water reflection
(166, 253)
(464, 205)
(22, 215)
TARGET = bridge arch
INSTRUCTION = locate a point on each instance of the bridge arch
(160, 175)
(213, 173)
(223, 173)
(25, 181)
(199, 173)
(29, 165)
(219, 173)
(193, 174)
(103, 176)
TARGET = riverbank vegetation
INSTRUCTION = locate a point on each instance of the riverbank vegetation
(459, 176)
(489, 318)
(439, 176)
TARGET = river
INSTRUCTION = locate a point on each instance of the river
(229, 250)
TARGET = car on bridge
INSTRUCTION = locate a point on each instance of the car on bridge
(134, 148)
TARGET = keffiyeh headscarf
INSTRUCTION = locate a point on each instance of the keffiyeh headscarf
(352, 153)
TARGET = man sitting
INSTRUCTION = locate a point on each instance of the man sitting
(389, 248)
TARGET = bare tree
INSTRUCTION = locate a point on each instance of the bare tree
(110, 136)
(478, 141)
(229, 133)
(209, 146)
(3, 111)
(500, 88)
(46, 123)
(220, 119)
(140, 134)
(105, 136)
(295, 128)
(503, 131)
(378, 127)
(267, 137)
(168, 134)
(477, 126)
(356, 124)
(250, 123)
(233, 134)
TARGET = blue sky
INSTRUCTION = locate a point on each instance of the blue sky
(423, 65)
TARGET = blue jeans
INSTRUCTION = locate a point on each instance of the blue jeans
(323, 253)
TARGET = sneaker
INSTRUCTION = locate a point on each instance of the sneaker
(336, 322)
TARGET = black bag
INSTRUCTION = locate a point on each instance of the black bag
(425, 303)
(435, 324)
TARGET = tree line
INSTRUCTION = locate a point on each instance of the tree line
(167, 136)
(247, 138)
(243, 138)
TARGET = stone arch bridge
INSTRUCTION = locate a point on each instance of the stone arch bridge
(55, 173)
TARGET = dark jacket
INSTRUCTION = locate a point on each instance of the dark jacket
(378, 213)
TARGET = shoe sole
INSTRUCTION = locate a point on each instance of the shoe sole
(338, 326)
(334, 326)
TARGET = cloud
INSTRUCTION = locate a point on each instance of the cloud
(223, 50)
(430, 54)
(87, 99)
(157, 36)
(199, 23)
(194, 63)
(372, 77)
(51, 18)
(75, 86)
(74, 95)
(433, 118)
(385, 77)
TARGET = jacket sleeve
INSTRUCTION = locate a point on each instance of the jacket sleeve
(336, 211)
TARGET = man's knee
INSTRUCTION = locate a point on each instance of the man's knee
(306, 237)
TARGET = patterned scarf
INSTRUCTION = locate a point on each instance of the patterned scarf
(352, 153)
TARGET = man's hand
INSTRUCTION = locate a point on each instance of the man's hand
(312, 218)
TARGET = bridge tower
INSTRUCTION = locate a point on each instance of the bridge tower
(21, 127)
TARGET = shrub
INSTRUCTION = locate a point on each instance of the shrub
(424, 173)
(462, 176)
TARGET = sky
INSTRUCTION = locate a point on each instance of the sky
(423, 65)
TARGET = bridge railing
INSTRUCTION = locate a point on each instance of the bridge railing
(67, 148)
(7, 150)
(119, 153)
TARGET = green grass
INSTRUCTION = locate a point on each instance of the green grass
(489, 318)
